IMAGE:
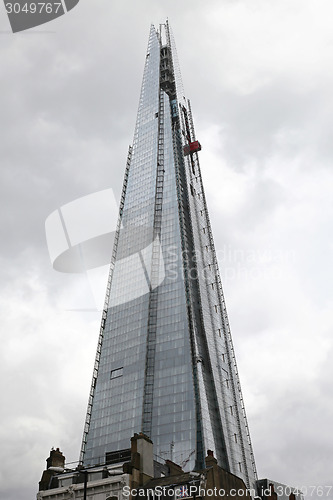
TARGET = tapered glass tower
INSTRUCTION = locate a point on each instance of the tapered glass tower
(165, 363)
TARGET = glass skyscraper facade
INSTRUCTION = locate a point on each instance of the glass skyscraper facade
(165, 363)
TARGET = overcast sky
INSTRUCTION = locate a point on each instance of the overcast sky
(259, 75)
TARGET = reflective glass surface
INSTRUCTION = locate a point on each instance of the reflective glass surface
(167, 364)
(117, 410)
(117, 406)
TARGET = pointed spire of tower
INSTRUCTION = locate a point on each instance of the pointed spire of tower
(165, 363)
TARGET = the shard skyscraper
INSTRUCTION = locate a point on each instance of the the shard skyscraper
(165, 363)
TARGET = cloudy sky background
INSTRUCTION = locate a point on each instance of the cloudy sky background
(259, 75)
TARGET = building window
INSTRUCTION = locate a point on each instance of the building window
(116, 373)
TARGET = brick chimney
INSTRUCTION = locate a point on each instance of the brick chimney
(210, 459)
(56, 459)
(141, 466)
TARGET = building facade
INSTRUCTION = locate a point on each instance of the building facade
(165, 363)
(134, 473)
(139, 477)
